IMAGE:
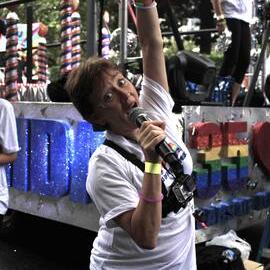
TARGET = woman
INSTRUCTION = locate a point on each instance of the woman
(236, 14)
(133, 234)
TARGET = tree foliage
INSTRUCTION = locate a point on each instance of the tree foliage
(48, 12)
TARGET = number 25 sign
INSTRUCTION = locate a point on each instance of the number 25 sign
(222, 153)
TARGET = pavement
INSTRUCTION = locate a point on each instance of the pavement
(39, 244)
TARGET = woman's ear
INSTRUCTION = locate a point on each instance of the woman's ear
(97, 123)
(97, 120)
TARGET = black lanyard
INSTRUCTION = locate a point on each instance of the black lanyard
(169, 203)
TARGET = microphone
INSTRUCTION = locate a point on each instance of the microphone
(137, 115)
(182, 188)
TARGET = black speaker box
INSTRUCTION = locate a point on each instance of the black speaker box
(195, 68)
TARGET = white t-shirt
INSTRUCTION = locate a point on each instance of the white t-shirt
(9, 144)
(113, 183)
(238, 9)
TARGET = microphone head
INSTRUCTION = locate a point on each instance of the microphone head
(135, 114)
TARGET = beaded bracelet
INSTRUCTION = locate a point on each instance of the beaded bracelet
(151, 199)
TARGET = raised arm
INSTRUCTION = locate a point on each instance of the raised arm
(151, 42)
(217, 7)
(143, 223)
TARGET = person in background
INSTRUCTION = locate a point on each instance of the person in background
(56, 90)
(3, 27)
(8, 150)
(236, 15)
(134, 231)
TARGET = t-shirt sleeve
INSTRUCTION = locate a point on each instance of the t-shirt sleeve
(159, 104)
(154, 95)
(8, 129)
(111, 185)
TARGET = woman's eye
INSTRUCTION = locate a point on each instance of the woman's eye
(121, 82)
(108, 97)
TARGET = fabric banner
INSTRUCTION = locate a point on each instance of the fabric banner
(22, 35)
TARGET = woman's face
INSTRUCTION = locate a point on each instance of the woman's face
(113, 101)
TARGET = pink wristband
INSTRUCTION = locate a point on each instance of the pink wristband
(151, 199)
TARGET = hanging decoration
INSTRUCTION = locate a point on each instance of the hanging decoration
(42, 61)
(66, 34)
(11, 73)
(43, 29)
(42, 54)
(76, 35)
(106, 36)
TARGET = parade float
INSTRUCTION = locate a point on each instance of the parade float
(229, 145)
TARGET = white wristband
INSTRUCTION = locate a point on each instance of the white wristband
(220, 17)
(154, 4)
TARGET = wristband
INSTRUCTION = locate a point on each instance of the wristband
(220, 18)
(140, 4)
(152, 168)
(151, 199)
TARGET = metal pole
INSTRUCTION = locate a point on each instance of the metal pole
(29, 59)
(101, 13)
(174, 25)
(91, 48)
(14, 3)
(257, 68)
(123, 36)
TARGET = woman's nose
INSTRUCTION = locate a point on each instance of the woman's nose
(124, 93)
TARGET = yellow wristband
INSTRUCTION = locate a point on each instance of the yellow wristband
(153, 168)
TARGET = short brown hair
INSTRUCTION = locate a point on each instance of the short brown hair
(83, 80)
